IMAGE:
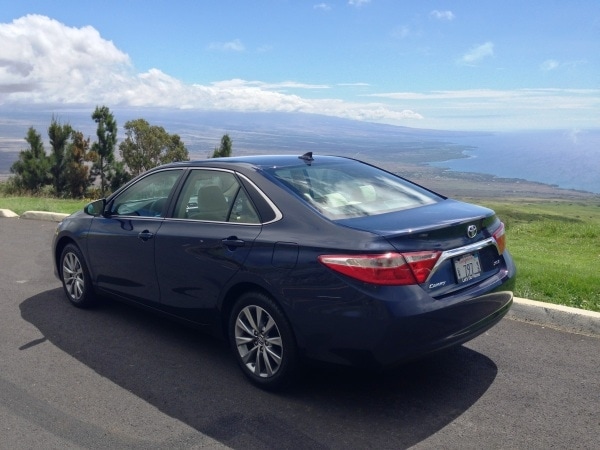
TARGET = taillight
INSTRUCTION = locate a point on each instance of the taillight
(384, 269)
(500, 238)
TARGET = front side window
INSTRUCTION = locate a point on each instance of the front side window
(147, 197)
(216, 196)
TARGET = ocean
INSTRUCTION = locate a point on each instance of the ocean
(569, 160)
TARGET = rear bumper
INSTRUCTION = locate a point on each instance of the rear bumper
(377, 340)
(417, 336)
(380, 327)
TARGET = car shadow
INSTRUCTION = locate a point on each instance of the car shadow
(192, 377)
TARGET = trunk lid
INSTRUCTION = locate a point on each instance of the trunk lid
(461, 232)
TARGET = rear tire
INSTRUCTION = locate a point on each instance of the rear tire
(76, 277)
(262, 341)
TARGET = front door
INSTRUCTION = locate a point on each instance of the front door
(122, 242)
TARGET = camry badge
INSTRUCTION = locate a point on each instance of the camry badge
(471, 231)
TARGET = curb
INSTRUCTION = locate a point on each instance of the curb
(8, 213)
(573, 320)
(34, 215)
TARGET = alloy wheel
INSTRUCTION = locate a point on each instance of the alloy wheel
(258, 341)
(73, 276)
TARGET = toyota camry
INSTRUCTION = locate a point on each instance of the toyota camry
(292, 258)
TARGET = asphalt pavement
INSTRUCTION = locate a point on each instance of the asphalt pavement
(117, 377)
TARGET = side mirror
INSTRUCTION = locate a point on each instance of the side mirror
(95, 208)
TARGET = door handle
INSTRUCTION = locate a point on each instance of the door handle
(233, 242)
(145, 235)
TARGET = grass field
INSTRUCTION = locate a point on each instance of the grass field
(21, 204)
(555, 244)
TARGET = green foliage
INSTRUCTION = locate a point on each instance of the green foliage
(556, 246)
(67, 172)
(120, 177)
(225, 149)
(76, 173)
(175, 151)
(59, 136)
(10, 187)
(104, 149)
(147, 146)
(32, 169)
(62, 173)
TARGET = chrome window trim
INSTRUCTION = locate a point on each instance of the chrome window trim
(177, 219)
(278, 214)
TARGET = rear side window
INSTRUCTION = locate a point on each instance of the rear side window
(351, 189)
(215, 196)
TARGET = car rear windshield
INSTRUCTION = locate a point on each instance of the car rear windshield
(348, 189)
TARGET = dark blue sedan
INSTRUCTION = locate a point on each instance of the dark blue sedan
(290, 257)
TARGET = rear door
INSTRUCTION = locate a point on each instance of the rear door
(205, 243)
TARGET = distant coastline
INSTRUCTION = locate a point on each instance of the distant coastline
(566, 159)
(551, 164)
(469, 185)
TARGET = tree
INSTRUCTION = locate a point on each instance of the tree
(32, 167)
(146, 146)
(77, 177)
(104, 149)
(120, 177)
(224, 150)
(176, 150)
(59, 136)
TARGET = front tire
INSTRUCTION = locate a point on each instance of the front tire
(262, 341)
(76, 278)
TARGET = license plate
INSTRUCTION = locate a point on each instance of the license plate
(467, 267)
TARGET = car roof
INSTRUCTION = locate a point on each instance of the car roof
(260, 161)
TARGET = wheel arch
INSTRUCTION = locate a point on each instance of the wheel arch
(61, 243)
(234, 293)
(231, 297)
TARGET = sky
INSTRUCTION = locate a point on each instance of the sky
(453, 65)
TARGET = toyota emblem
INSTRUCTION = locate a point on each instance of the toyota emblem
(471, 231)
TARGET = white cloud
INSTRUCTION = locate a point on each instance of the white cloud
(518, 98)
(45, 62)
(401, 32)
(239, 83)
(501, 109)
(358, 3)
(549, 64)
(232, 46)
(442, 15)
(359, 84)
(477, 53)
(42, 60)
(322, 7)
